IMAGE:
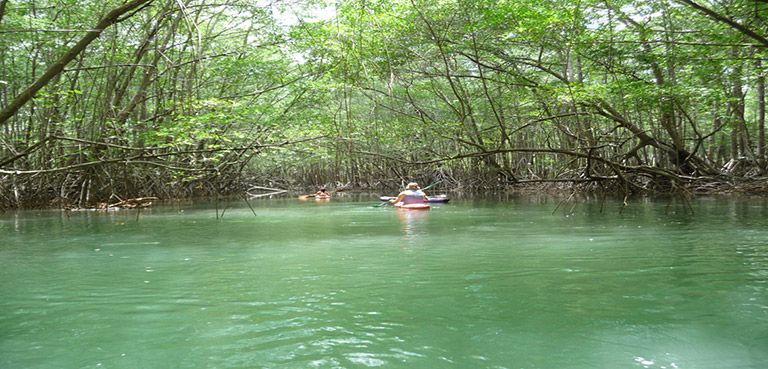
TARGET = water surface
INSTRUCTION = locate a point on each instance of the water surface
(343, 284)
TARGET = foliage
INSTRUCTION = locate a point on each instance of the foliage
(479, 93)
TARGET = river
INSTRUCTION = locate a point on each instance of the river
(517, 283)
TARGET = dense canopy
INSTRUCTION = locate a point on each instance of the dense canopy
(104, 100)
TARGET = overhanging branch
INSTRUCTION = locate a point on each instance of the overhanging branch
(56, 68)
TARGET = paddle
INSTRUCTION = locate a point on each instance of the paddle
(383, 203)
(430, 186)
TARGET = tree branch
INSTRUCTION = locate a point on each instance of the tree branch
(56, 68)
(723, 19)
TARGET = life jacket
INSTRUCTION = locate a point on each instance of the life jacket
(413, 197)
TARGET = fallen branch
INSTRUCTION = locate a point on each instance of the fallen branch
(264, 188)
(266, 194)
(139, 202)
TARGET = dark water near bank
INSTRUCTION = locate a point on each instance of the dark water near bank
(342, 284)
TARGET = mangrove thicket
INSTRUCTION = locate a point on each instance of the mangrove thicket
(107, 100)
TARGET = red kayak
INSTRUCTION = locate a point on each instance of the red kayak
(422, 206)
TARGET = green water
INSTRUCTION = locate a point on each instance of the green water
(342, 284)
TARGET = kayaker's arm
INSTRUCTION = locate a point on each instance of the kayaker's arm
(397, 199)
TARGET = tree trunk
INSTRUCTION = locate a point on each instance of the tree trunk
(760, 111)
(2, 9)
(738, 109)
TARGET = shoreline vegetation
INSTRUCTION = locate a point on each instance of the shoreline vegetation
(104, 101)
(555, 189)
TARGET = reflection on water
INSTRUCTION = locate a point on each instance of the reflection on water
(478, 284)
(412, 222)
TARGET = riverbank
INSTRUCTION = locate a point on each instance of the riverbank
(697, 187)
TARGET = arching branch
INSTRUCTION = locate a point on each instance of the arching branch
(730, 22)
(114, 16)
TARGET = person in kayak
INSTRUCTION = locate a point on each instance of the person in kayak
(411, 195)
(322, 193)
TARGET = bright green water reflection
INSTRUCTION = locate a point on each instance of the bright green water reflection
(346, 285)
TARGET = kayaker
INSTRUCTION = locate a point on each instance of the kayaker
(411, 195)
(322, 193)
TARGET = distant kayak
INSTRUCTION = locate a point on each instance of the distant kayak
(316, 197)
(422, 206)
(432, 199)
